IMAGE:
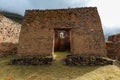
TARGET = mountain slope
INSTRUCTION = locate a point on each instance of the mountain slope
(13, 16)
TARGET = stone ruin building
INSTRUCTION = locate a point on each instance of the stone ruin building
(9, 35)
(113, 46)
(76, 29)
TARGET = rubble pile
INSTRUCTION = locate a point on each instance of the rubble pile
(87, 60)
(32, 61)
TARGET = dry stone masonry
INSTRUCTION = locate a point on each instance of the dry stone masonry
(113, 46)
(87, 60)
(31, 61)
(38, 30)
(9, 35)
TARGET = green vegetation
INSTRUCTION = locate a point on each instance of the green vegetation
(13, 16)
(57, 71)
(61, 54)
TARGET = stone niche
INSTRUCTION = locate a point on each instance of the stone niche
(84, 36)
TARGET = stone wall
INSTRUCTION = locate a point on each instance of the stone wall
(114, 38)
(9, 35)
(113, 46)
(37, 34)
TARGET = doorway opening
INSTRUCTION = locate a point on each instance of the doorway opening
(62, 40)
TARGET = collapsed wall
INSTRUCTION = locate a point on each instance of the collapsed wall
(113, 46)
(9, 35)
(86, 35)
(114, 38)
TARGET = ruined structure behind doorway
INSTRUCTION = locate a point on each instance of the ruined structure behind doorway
(62, 40)
(37, 33)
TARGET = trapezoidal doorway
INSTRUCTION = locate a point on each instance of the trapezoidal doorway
(62, 40)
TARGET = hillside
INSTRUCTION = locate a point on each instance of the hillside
(13, 16)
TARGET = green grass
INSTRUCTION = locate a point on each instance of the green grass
(57, 71)
(61, 54)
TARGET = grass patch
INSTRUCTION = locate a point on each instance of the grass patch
(61, 54)
(57, 71)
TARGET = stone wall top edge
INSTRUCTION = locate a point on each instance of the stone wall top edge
(80, 8)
